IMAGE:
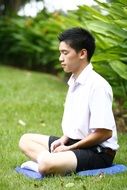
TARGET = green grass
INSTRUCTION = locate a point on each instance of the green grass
(37, 99)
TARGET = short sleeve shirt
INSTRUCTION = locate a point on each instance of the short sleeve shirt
(88, 106)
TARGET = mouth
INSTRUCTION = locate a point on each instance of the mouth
(63, 65)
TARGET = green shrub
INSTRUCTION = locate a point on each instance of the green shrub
(32, 42)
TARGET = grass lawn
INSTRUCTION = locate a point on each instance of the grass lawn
(33, 102)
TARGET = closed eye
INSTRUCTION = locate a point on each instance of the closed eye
(64, 52)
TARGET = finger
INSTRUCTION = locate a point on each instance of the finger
(52, 147)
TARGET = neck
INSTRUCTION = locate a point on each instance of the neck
(76, 74)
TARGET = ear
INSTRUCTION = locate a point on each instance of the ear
(83, 54)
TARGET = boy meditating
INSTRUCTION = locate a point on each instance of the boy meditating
(89, 138)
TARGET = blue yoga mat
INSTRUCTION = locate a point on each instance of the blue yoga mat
(116, 168)
(29, 173)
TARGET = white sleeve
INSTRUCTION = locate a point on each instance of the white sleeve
(100, 105)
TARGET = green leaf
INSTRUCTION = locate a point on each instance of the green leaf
(120, 68)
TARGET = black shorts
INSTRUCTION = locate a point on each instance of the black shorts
(88, 158)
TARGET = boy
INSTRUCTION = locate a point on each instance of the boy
(89, 138)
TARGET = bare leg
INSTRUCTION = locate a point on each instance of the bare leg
(33, 144)
(57, 163)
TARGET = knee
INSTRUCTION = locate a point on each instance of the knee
(23, 141)
(46, 167)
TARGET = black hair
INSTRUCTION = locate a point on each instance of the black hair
(78, 39)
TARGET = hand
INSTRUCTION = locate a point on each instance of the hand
(56, 144)
(61, 148)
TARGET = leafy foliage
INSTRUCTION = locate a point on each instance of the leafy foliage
(109, 24)
(32, 42)
(110, 28)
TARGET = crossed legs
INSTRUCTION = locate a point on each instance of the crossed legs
(35, 146)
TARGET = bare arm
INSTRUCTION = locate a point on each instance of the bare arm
(97, 137)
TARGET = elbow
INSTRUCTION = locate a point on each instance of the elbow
(104, 134)
(109, 134)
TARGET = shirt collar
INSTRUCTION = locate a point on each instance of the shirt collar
(82, 77)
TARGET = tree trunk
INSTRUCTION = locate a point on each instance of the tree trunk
(12, 6)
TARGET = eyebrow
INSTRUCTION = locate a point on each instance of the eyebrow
(63, 50)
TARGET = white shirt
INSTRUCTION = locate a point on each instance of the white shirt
(88, 106)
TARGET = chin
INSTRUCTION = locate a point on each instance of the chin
(67, 71)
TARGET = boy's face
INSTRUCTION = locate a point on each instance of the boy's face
(69, 58)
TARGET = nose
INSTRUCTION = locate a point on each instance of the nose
(61, 58)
